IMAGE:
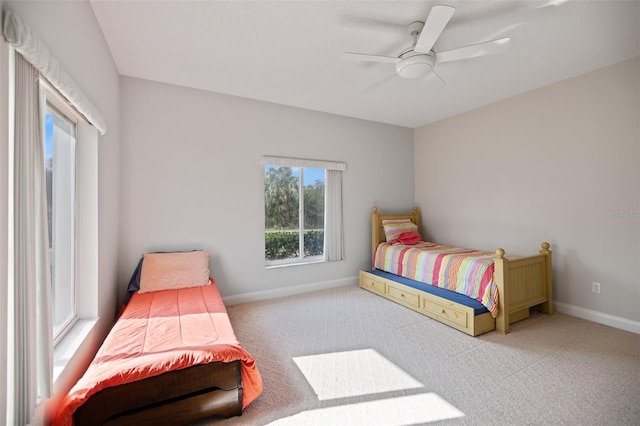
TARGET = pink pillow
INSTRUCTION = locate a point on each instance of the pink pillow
(167, 271)
(410, 238)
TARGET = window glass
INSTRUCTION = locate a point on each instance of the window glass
(313, 193)
(294, 214)
(60, 157)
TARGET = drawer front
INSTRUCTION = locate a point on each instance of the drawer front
(403, 296)
(445, 312)
(373, 285)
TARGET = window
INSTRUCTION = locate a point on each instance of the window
(303, 210)
(60, 158)
(294, 214)
(72, 226)
(71, 167)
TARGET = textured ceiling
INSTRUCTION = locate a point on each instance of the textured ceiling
(289, 52)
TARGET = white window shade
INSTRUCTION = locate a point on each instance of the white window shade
(27, 43)
(333, 222)
(301, 162)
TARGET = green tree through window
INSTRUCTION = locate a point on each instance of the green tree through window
(281, 198)
(293, 196)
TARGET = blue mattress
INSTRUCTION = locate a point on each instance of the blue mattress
(478, 308)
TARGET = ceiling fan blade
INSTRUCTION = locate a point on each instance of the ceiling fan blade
(474, 50)
(351, 56)
(433, 27)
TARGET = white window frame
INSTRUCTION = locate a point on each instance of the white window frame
(86, 234)
(301, 259)
(53, 98)
(333, 202)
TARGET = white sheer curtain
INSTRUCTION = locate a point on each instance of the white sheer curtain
(333, 234)
(31, 359)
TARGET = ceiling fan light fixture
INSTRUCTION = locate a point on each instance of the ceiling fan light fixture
(419, 60)
(415, 65)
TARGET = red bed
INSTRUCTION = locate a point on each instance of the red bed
(171, 353)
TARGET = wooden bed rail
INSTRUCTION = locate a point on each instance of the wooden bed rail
(175, 397)
(522, 282)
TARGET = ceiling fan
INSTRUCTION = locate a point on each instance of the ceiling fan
(420, 59)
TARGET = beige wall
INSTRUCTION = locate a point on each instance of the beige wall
(557, 164)
(191, 178)
(71, 32)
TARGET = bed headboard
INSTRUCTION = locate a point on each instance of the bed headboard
(377, 232)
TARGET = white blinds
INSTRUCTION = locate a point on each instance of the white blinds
(334, 229)
(27, 43)
(31, 359)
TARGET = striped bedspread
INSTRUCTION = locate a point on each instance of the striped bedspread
(469, 272)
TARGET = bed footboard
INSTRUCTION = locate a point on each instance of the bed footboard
(522, 282)
(176, 397)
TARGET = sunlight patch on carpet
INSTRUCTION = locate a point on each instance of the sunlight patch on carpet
(405, 410)
(353, 373)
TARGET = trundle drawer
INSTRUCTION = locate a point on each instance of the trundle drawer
(445, 312)
(370, 284)
(402, 295)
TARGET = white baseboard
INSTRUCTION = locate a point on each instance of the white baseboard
(287, 291)
(565, 308)
(599, 317)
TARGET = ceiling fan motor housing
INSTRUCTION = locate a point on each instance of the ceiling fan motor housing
(413, 65)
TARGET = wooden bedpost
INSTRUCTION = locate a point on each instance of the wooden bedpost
(547, 307)
(416, 217)
(375, 224)
(502, 320)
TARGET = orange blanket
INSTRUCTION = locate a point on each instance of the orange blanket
(159, 332)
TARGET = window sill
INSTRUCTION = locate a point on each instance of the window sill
(67, 347)
(288, 265)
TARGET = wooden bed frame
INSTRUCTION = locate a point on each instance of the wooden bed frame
(175, 397)
(523, 282)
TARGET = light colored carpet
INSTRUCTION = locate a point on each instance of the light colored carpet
(346, 356)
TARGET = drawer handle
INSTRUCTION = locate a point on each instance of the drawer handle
(401, 294)
(444, 312)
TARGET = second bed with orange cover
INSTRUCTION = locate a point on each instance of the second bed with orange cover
(157, 333)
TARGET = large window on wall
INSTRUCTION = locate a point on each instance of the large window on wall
(50, 135)
(60, 157)
(294, 214)
(303, 211)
